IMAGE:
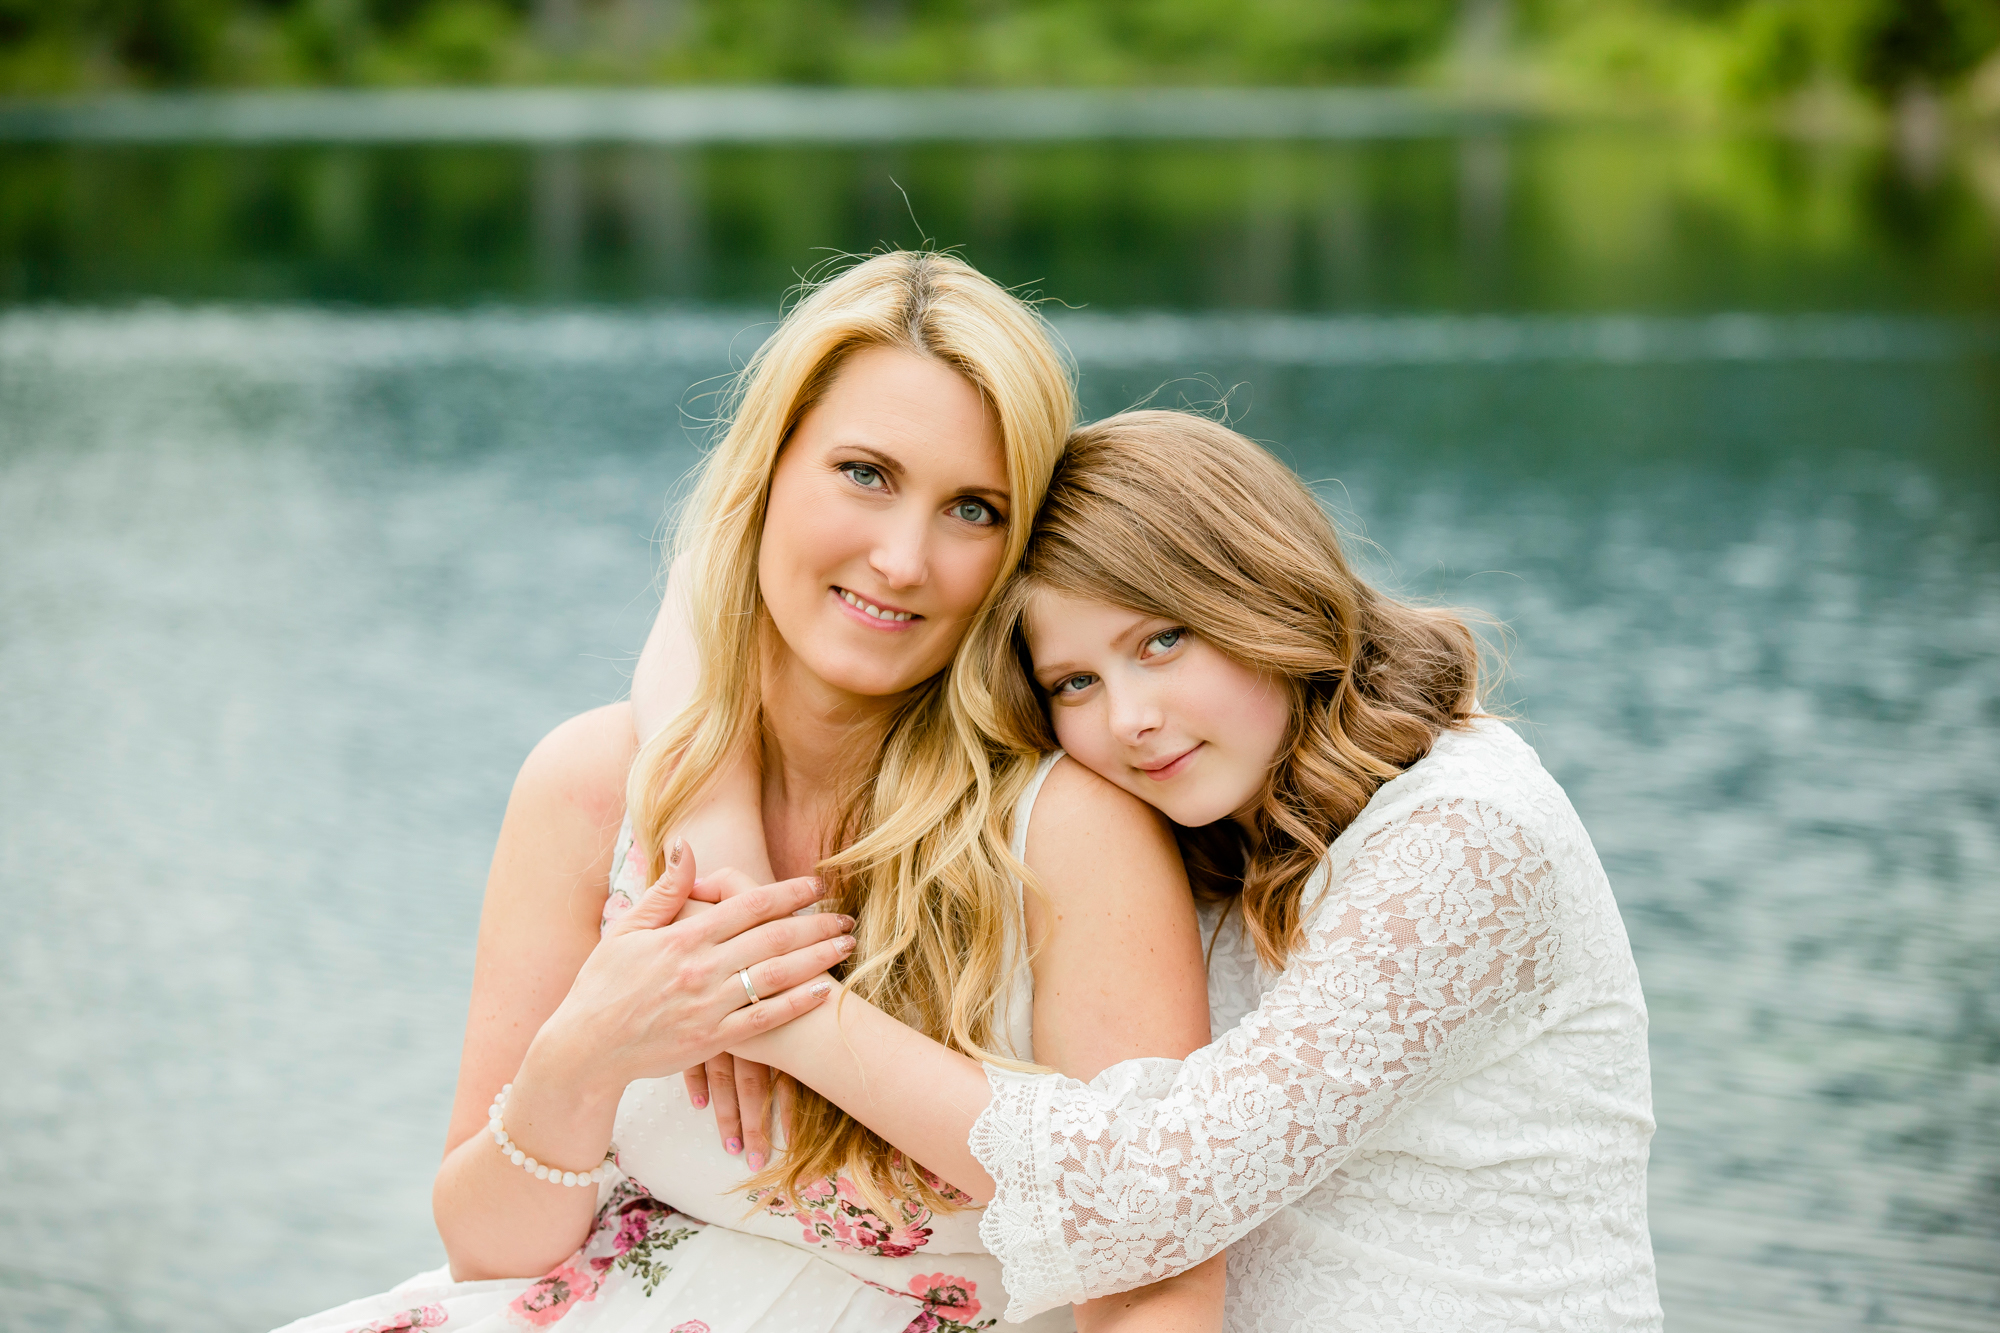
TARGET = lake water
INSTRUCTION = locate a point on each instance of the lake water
(296, 566)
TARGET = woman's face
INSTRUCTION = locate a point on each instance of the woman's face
(886, 523)
(1146, 704)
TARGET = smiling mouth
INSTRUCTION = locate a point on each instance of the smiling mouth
(1172, 767)
(882, 615)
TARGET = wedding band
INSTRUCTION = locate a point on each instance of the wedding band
(748, 989)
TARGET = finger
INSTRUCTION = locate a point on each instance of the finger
(783, 936)
(722, 1091)
(774, 1011)
(753, 1100)
(728, 882)
(791, 969)
(766, 902)
(661, 903)
(696, 1079)
(706, 890)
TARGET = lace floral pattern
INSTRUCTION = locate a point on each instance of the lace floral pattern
(1434, 1119)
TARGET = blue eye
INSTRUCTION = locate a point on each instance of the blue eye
(861, 474)
(1071, 684)
(1166, 639)
(974, 511)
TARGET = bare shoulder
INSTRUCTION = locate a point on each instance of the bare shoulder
(578, 770)
(1083, 826)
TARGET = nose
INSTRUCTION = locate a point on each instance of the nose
(1134, 713)
(901, 554)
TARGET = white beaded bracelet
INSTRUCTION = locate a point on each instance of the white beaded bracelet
(540, 1170)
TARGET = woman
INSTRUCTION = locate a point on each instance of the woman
(1427, 1107)
(887, 448)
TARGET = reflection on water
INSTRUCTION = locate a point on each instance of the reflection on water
(1549, 219)
(288, 595)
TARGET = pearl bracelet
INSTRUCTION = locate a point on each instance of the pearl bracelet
(539, 1170)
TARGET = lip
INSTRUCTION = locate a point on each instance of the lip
(862, 617)
(1174, 767)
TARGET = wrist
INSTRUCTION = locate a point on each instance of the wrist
(560, 1067)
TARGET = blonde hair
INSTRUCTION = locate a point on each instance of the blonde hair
(920, 858)
(1173, 515)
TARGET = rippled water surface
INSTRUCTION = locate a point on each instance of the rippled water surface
(286, 593)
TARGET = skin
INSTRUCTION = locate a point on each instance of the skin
(1143, 702)
(892, 491)
(1147, 706)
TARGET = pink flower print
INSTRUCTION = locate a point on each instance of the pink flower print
(417, 1317)
(948, 1295)
(633, 1227)
(691, 1326)
(927, 1322)
(550, 1298)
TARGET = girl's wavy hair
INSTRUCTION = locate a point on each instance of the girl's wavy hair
(1173, 515)
(921, 857)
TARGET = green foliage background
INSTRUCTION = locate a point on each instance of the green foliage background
(1676, 53)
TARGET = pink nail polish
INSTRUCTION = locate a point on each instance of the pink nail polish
(821, 989)
(700, 1101)
(733, 1146)
(756, 1161)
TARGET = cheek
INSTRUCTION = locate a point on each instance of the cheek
(963, 572)
(1081, 732)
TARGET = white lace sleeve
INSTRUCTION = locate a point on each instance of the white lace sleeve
(1426, 949)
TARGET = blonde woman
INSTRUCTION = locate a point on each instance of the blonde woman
(1427, 1107)
(887, 448)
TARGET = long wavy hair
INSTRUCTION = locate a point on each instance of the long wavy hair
(919, 856)
(1173, 515)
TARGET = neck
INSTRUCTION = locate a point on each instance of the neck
(817, 741)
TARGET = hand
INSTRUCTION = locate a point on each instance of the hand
(740, 1089)
(655, 998)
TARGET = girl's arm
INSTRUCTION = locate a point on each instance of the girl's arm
(1118, 975)
(570, 1019)
(1435, 938)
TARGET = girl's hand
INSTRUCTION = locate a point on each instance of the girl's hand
(740, 1089)
(655, 998)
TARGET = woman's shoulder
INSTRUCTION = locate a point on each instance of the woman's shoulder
(580, 767)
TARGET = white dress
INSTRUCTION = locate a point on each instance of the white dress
(679, 1245)
(1434, 1120)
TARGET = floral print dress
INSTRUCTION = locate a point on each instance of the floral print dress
(679, 1245)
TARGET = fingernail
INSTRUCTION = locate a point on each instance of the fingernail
(756, 1160)
(700, 1101)
(819, 888)
(821, 989)
(674, 856)
(846, 922)
(847, 944)
(732, 1146)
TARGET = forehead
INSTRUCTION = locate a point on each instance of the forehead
(1056, 623)
(921, 412)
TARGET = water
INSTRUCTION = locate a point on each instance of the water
(287, 589)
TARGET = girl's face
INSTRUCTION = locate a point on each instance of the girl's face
(1144, 703)
(886, 523)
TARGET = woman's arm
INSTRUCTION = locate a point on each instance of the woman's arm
(1434, 937)
(570, 1020)
(727, 832)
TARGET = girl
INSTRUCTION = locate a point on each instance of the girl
(888, 446)
(1427, 1106)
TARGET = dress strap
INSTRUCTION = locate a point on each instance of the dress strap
(1024, 808)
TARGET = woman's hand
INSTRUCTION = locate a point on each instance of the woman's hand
(740, 1089)
(660, 995)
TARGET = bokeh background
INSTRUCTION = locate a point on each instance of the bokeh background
(339, 419)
